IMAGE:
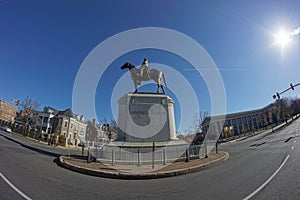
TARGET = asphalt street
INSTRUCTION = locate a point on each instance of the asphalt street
(266, 166)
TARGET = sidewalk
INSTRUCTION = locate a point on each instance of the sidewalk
(44, 142)
(79, 164)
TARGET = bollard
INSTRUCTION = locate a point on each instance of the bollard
(164, 157)
(88, 157)
(206, 156)
(139, 157)
(113, 157)
(69, 145)
(187, 155)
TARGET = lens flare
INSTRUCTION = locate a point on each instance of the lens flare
(282, 38)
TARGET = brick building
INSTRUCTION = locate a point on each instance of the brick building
(7, 113)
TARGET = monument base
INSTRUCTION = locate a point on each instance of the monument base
(146, 117)
(146, 133)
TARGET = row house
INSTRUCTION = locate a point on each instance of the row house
(59, 127)
(68, 128)
(100, 133)
(42, 121)
(96, 132)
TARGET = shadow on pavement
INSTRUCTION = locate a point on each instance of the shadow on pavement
(32, 148)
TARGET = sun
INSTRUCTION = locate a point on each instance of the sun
(282, 38)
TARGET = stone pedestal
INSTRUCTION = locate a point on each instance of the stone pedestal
(146, 134)
(146, 117)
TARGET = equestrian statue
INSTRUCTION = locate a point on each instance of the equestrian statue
(145, 74)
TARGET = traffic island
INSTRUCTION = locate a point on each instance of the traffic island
(80, 165)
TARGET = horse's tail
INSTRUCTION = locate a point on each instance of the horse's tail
(163, 75)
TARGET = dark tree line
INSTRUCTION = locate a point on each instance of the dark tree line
(284, 109)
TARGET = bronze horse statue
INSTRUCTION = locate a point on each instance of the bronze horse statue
(154, 74)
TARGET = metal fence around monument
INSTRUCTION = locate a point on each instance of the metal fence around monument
(145, 156)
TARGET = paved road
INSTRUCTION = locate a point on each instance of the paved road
(266, 163)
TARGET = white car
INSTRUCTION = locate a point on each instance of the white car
(6, 128)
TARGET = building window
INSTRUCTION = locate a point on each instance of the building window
(253, 118)
(244, 120)
(234, 122)
(239, 121)
(249, 119)
(66, 123)
(226, 123)
(72, 125)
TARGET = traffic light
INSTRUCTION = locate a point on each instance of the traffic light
(17, 102)
(28, 109)
(276, 95)
(291, 84)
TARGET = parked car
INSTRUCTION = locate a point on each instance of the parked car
(81, 144)
(6, 128)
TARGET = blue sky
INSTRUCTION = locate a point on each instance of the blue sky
(44, 43)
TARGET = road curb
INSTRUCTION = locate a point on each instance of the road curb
(135, 176)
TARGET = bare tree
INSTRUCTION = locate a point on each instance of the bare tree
(275, 113)
(104, 120)
(29, 104)
(198, 127)
(284, 109)
(113, 124)
(295, 106)
(197, 124)
(36, 105)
